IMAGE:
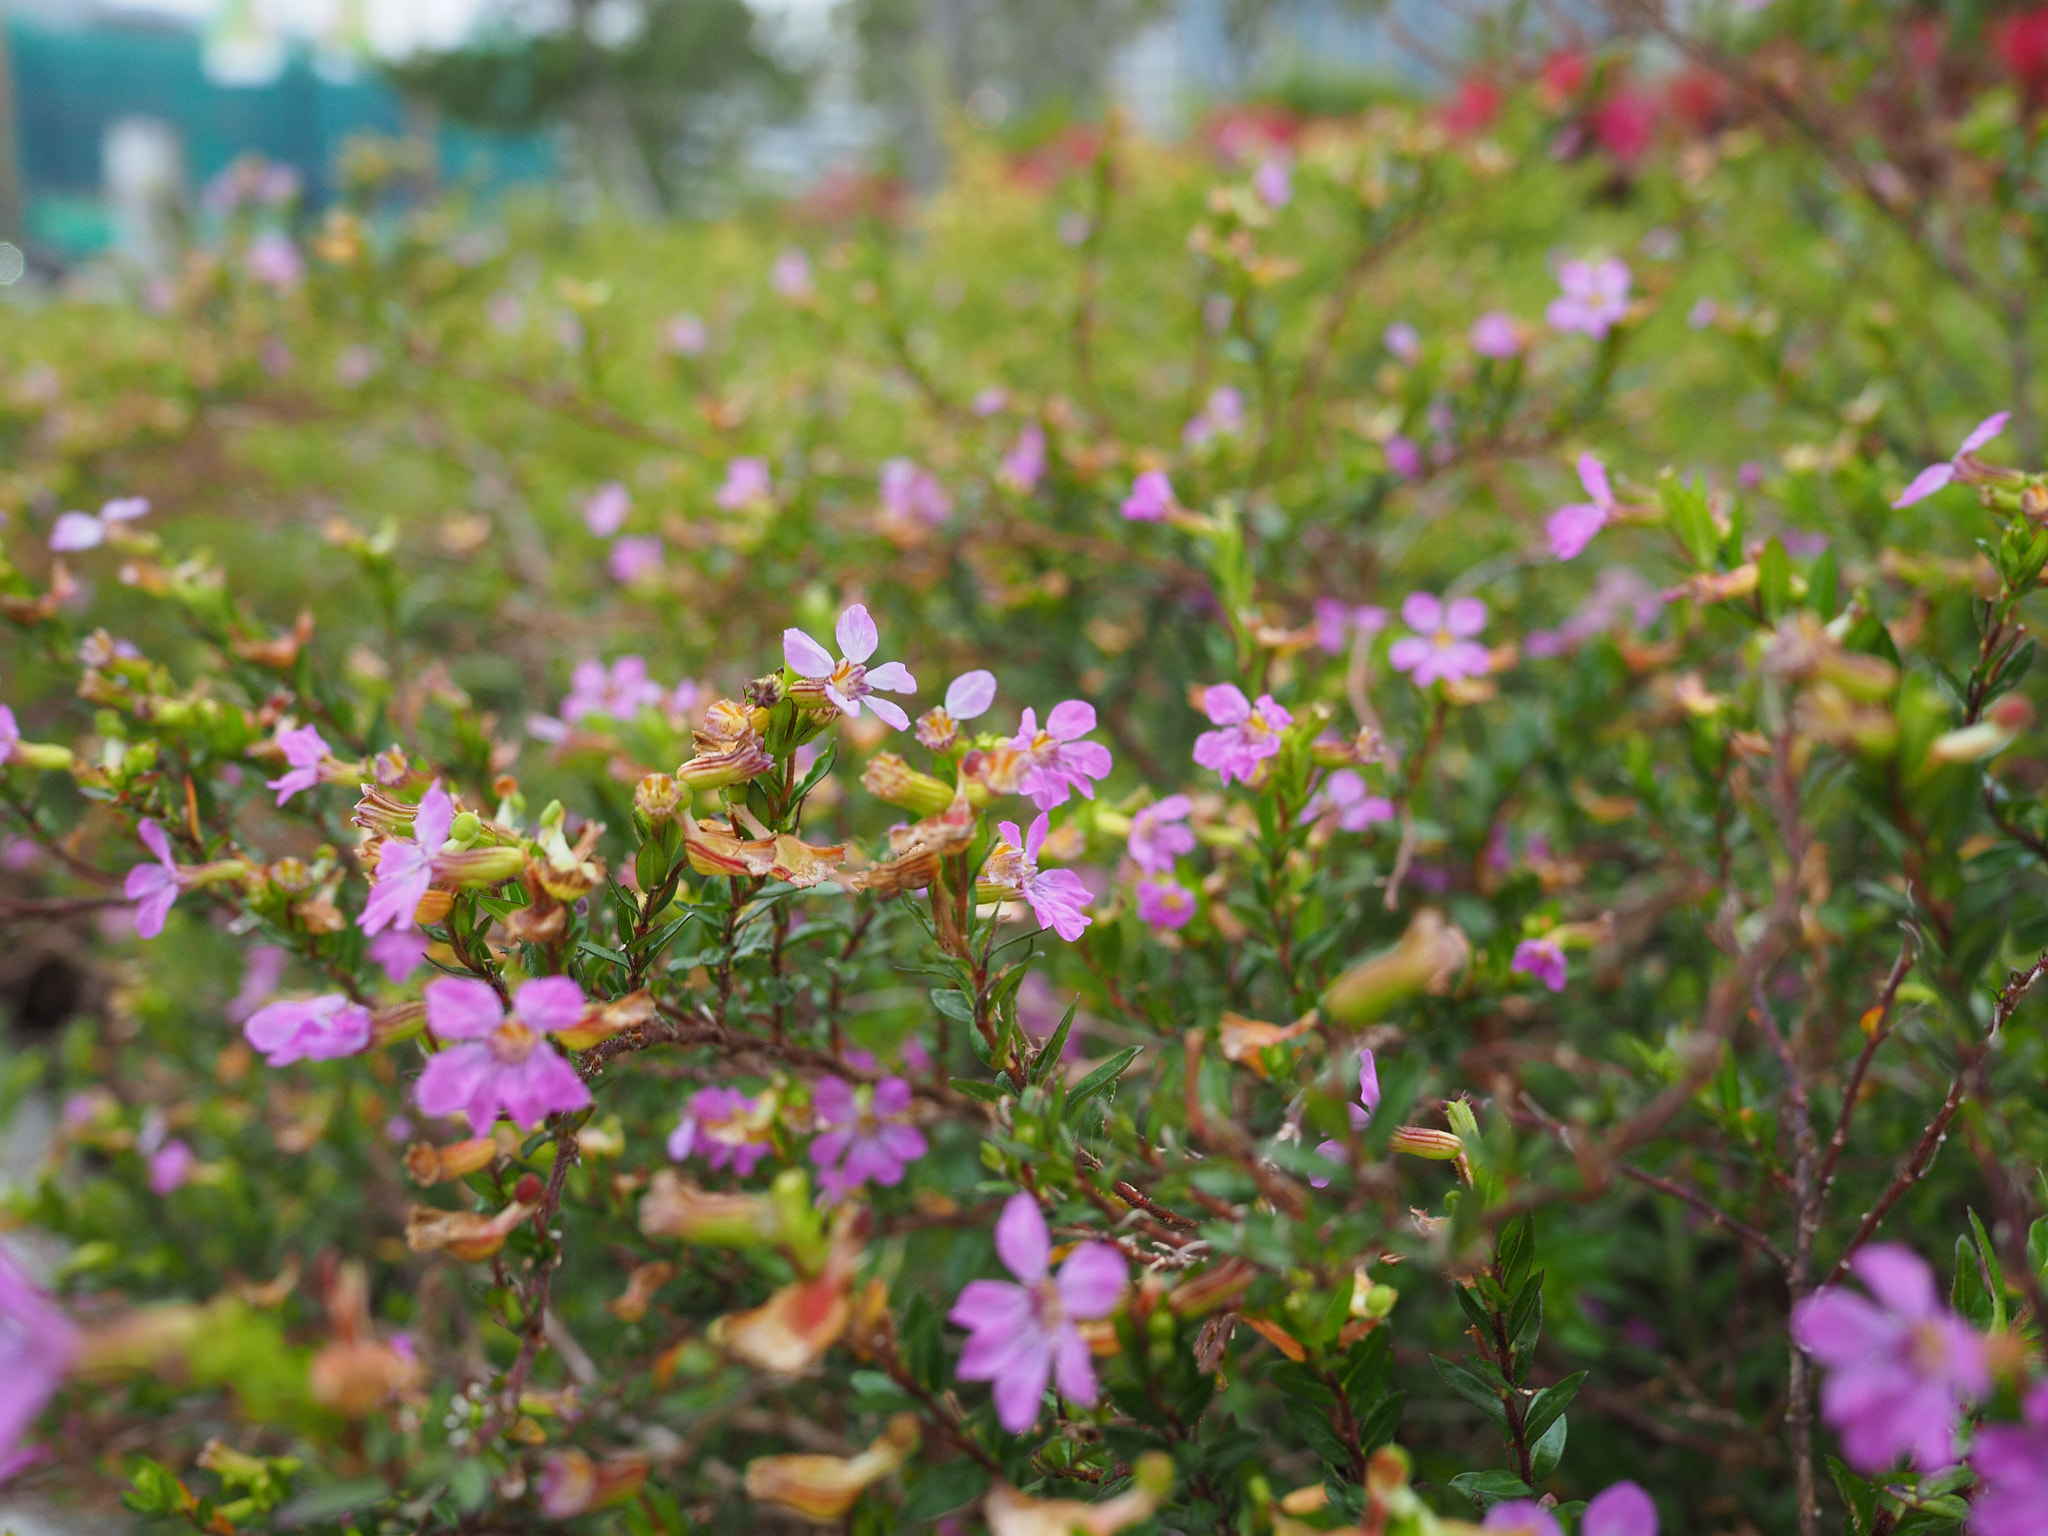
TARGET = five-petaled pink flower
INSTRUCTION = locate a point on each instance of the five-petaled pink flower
(153, 887)
(634, 557)
(849, 681)
(724, 1127)
(1056, 896)
(309, 1029)
(500, 1061)
(912, 494)
(605, 509)
(1571, 527)
(37, 1342)
(1442, 648)
(1022, 1336)
(304, 752)
(1495, 335)
(1935, 476)
(1058, 761)
(405, 865)
(1346, 795)
(1250, 732)
(1336, 622)
(1900, 1367)
(1165, 903)
(619, 691)
(968, 697)
(1595, 297)
(1160, 834)
(1024, 465)
(2011, 1461)
(747, 484)
(1541, 959)
(89, 530)
(1151, 497)
(868, 1134)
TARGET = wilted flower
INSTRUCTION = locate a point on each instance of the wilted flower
(37, 1342)
(824, 1488)
(747, 484)
(725, 1127)
(501, 1063)
(304, 750)
(1900, 1367)
(1495, 335)
(1022, 1336)
(849, 681)
(1057, 761)
(1024, 465)
(311, 1029)
(1160, 834)
(1595, 296)
(153, 887)
(571, 1484)
(2011, 1462)
(1542, 959)
(1442, 649)
(1165, 903)
(912, 494)
(635, 557)
(1151, 497)
(88, 530)
(867, 1134)
(1934, 476)
(1250, 732)
(605, 509)
(1056, 896)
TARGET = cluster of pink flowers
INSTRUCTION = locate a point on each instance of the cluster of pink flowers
(1248, 733)
(865, 1134)
(1159, 836)
(911, 493)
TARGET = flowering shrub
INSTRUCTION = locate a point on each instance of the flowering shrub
(1499, 971)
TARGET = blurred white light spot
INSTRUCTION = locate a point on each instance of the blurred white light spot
(12, 264)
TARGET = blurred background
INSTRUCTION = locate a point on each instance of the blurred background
(120, 119)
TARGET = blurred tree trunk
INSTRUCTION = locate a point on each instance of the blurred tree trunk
(13, 211)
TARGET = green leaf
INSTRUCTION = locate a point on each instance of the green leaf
(1474, 1390)
(954, 1004)
(1994, 1276)
(319, 1506)
(1378, 1427)
(1823, 584)
(1691, 520)
(942, 1490)
(1049, 1054)
(1101, 1079)
(1488, 1488)
(1548, 1450)
(1548, 1406)
(1514, 1251)
(1773, 581)
(974, 1088)
(2037, 1245)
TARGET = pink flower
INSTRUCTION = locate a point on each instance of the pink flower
(990, 401)
(1621, 1509)
(1403, 341)
(791, 274)
(1165, 903)
(1542, 959)
(1024, 465)
(10, 734)
(305, 750)
(37, 1342)
(619, 692)
(968, 697)
(1495, 335)
(1521, 1517)
(262, 969)
(1900, 1367)
(1160, 834)
(686, 336)
(849, 681)
(398, 952)
(88, 530)
(725, 1127)
(1151, 497)
(1335, 622)
(1925, 484)
(1360, 1113)
(405, 866)
(634, 558)
(1223, 416)
(500, 1063)
(170, 1165)
(1273, 183)
(313, 1029)
(1703, 314)
(747, 484)
(1442, 648)
(1571, 528)
(605, 509)
(868, 1134)
(1250, 732)
(274, 261)
(1056, 896)
(1404, 458)
(912, 494)
(1058, 761)
(1595, 297)
(1022, 1336)
(153, 887)
(2011, 1460)
(1345, 794)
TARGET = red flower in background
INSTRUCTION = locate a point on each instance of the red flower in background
(1472, 110)
(2021, 43)
(1700, 99)
(1626, 123)
(1561, 78)
(1243, 134)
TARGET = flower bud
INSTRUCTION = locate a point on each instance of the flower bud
(1218, 1286)
(674, 1207)
(429, 1164)
(737, 761)
(656, 799)
(888, 777)
(824, 1488)
(465, 1234)
(49, 758)
(572, 1484)
(1430, 953)
(1420, 1141)
(475, 867)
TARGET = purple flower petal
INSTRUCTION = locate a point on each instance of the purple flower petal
(1022, 1242)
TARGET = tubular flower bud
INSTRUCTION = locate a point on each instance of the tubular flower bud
(1420, 1141)
(823, 1488)
(657, 797)
(888, 777)
(1430, 953)
(1010, 1513)
(466, 1235)
(734, 762)
(2007, 720)
(572, 1484)
(476, 867)
(1243, 1039)
(429, 1164)
(674, 1207)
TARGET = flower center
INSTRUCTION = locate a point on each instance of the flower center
(850, 678)
(1928, 1350)
(512, 1042)
(1046, 1303)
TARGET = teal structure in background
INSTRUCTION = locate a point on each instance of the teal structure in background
(71, 82)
